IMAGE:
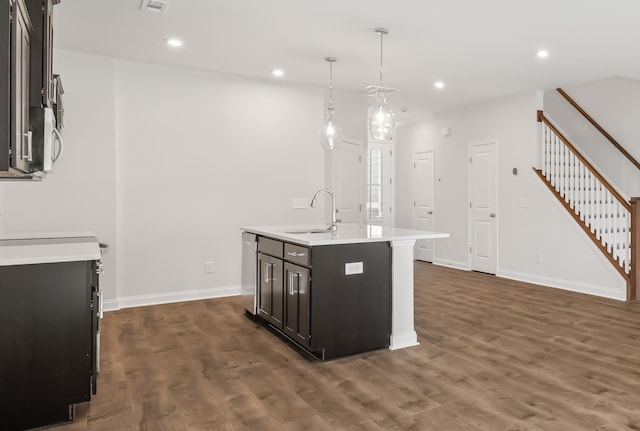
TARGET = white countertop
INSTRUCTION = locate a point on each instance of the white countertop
(346, 234)
(24, 249)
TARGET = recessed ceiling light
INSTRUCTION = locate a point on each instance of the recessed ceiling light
(543, 53)
(277, 72)
(439, 84)
(176, 43)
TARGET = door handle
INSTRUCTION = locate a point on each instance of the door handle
(492, 215)
(58, 137)
(430, 212)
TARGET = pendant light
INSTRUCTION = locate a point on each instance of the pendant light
(331, 133)
(381, 121)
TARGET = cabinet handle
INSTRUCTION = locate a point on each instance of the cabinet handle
(29, 156)
(294, 254)
(53, 91)
(295, 292)
(58, 137)
(266, 272)
(290, 283)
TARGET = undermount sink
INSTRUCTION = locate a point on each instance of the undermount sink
(305, 231)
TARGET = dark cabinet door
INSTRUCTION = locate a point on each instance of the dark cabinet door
(45, 337)
(277, 292)
(21, 139)
(296, 318)
(42, 91)
(270, 289)
(5, 80)
(264, 286)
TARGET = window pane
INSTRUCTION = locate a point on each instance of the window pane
(374, 186)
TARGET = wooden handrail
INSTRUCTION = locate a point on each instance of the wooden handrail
(595, 124)
(591, 234)
(614, 192)
(632, 285)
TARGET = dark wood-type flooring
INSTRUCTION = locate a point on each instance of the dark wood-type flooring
(495, 355)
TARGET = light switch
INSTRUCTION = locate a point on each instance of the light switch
(352, 268)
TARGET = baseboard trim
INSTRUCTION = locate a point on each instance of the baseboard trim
(570, 285)
(452, 264)
(170, 297)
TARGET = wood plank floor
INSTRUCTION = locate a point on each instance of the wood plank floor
(495, 355)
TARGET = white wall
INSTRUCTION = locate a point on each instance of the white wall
(614, 104)
(165, 164)
(569, 259)
(200, 155)
(80, 194)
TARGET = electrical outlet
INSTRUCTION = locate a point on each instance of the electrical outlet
(300, 203)
(209, 267)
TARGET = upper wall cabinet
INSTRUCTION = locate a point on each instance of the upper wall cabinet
(27, 87)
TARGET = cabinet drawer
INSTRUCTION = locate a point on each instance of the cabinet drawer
(297, 254)
(270, 246)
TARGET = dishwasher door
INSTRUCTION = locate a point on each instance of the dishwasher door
(249, 272)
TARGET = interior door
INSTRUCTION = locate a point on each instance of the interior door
(423, 197)
(346, 180)
(483, 168)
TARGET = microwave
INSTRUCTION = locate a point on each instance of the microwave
(46, 139)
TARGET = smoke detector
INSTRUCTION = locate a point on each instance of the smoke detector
(155, 6)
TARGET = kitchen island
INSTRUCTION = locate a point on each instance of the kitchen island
(333, 292)
(49, 311)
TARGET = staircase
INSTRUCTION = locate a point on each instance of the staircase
(605, 216)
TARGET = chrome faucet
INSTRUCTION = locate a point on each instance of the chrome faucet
(334, 221)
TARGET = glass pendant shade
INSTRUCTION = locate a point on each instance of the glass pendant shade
(381, 120)
(331, 133)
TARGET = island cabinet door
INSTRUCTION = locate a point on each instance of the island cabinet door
(296, 317)
(270, 289)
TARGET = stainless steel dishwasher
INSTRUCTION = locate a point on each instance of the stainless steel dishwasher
(249, 272)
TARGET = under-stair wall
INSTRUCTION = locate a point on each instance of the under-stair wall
(615, 104)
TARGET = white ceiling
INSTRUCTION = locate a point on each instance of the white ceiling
(480, 49)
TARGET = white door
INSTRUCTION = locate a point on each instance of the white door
(483, 172)
(346, 180)
(423, 178)
(379, 181)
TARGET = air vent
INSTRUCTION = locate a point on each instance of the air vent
(156, 6)
(372, 90)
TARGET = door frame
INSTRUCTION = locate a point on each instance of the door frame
(433, 193)
(390, 186)
(470, 146)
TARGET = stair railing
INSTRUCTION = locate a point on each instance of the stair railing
(602, 212)
(598, 127)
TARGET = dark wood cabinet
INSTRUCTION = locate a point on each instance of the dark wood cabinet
(26, 81)
(48, 328)
(296, 292)
(42, 87)
(21, 143)
(314, 297)
(270, 289)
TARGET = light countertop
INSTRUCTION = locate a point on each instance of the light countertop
(24, 249)
(346, 234)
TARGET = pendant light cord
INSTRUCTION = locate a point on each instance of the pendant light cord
(331, 84)
(381, 35)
